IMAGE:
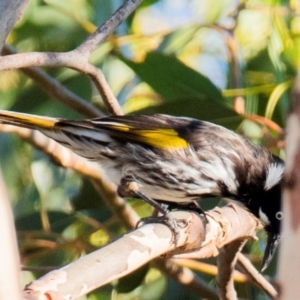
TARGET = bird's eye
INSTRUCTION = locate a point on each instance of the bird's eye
(279, 215)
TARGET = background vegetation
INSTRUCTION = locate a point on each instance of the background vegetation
(232, 63)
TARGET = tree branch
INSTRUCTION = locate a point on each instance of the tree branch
(71, 60)
(222, 221)
(77, 59)
(109, 263)
(138, 247)
(56, 90)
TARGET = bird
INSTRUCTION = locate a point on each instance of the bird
(174, 160)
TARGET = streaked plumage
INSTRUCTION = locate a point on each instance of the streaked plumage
(175, 159)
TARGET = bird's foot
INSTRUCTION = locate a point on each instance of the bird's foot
(129, 188)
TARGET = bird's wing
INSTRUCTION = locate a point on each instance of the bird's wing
(160, 131)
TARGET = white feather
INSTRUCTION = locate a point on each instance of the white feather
(274, 174)
(263, 217)
(93, 134)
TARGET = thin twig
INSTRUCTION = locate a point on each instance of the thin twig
(71, 60)
(210, 269)
(233, 49)
(102, 86)
(235, 72)
(226, 263)
(56, 90)
(266, 122)
(108, 27)
(256, 277)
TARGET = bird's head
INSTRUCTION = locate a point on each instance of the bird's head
(272, 223)
(270, 212)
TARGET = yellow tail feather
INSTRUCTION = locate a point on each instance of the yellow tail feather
(26, 120)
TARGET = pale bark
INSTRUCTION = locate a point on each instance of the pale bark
(119, 258)
(289, 262)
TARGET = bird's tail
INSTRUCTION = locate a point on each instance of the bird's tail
(25, 120)
(79, 136)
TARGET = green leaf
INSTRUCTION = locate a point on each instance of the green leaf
(207, 110)
(147, 3)
(185, 91)
(279, 90)
(173, 79)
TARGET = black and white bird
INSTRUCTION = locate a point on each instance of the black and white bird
(176, 160)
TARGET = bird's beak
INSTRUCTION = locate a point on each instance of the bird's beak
(272, 243)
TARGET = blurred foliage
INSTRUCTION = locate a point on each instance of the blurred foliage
(170, 56)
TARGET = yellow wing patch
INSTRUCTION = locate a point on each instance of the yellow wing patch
(163, 138)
